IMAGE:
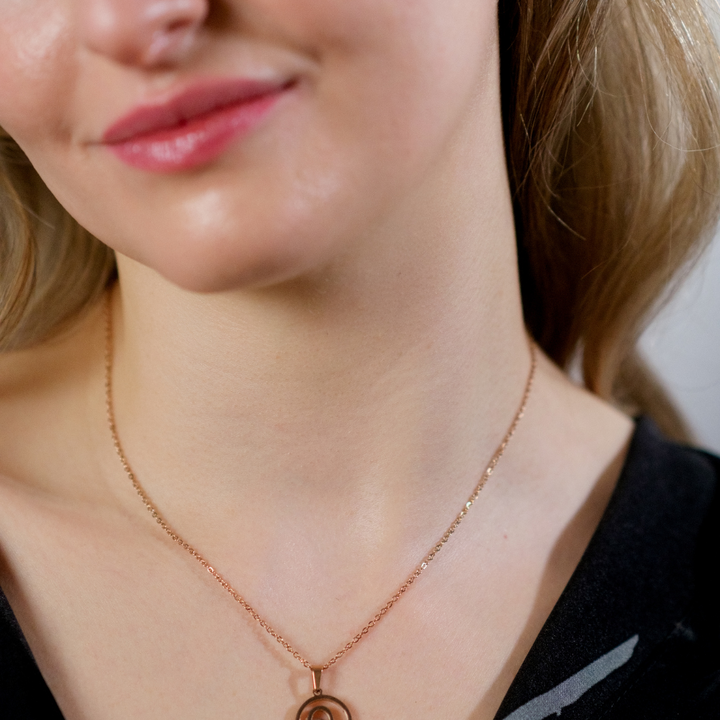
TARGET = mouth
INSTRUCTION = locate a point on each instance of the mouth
(194, 127)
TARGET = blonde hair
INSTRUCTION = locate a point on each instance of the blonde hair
(51, 268)
(612, 122)
(611, 113)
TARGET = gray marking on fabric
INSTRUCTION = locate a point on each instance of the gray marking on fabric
(572, 689)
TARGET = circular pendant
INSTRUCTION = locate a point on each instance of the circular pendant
(323, 707)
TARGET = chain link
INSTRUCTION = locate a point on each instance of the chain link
(239, 599)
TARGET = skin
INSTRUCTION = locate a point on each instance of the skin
(318, 346)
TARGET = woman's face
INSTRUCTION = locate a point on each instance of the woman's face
(239, 142)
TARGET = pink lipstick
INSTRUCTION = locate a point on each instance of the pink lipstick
(194, 127)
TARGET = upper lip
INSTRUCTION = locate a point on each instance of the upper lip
(193, 102)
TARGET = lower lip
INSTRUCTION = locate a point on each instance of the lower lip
(197, 142)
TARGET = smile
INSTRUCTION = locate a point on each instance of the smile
(194, 127)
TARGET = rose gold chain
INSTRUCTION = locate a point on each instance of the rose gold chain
(160, 520)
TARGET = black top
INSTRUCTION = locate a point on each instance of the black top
(635, 634)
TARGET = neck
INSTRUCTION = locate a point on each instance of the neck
(328, 381)
(367, 393)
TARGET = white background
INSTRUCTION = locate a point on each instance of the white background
(683, 347)
(683, 343)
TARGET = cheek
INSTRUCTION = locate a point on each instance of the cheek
(36, 72)
(401, 76)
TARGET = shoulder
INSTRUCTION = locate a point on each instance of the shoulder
(679, 675)
(669, 493)
(636, 633)
(35, 424)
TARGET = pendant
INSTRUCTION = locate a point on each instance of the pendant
(322, 707)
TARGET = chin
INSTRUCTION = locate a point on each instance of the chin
(237, 262)
(207, 277)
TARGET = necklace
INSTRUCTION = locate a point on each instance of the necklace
(320, 706)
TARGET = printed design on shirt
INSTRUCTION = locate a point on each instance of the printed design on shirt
(572, 689)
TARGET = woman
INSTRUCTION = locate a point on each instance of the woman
(319, 337)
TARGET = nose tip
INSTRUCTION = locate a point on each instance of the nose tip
(143, 32)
